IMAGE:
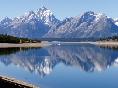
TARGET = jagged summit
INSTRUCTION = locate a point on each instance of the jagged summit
(88, 25)
(33, 24)
(90, 16)
(44, 11)
(43, 23)
(6, 21)
(46, 16)
(42, 14)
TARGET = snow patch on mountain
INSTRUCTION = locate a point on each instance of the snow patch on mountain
(116, 23)
(42, 23)
(98, 16)
(33, 24)
(88, 25)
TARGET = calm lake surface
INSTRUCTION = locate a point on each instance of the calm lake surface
(64, 66)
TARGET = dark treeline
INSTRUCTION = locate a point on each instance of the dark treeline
(114, 38)
(68, 39)
(12, 39)
(79, 39)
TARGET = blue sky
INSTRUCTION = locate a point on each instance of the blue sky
(61, 8)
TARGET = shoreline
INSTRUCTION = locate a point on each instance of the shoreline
(107, 44)
(24, 45)
(9, 82)
(94, 43)
(44, 44)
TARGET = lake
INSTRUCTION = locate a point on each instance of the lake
(62, 66)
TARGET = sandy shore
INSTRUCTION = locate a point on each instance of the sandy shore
(106, 44)
(11, 45)
(43, 44)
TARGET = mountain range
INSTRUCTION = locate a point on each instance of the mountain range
(43, 24)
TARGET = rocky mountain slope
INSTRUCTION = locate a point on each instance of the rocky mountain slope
(31, 25)
(88, 25)
(42, 23)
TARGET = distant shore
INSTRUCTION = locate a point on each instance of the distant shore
(114, 43)
(23, 45)
(95, 43)
(103, 43)
(43, 44)
(110, 44)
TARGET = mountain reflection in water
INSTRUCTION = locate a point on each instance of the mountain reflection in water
(89, 58)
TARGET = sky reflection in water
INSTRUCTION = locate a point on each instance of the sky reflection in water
(67, 66)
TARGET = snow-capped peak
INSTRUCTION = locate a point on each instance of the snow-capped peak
(30, 15)
(44, 12)
(90, 15)
(45, 15)
(98, 16)
(6, 21)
